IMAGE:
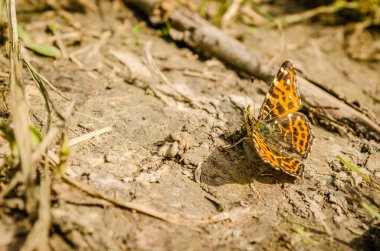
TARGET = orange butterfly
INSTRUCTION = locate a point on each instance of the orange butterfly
(281, 135)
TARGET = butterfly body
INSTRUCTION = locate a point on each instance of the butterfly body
(281, 135)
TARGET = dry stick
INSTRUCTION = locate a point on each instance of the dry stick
(332, 8)
(88, 136)
(171, 218)
(200, 35)
(231, 13)
(38, 236)
(19, 110)
(175, 94)
(9, 188)
(203, 75)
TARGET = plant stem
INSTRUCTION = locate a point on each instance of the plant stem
(19, 109)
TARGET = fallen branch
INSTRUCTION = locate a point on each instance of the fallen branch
(200, 35)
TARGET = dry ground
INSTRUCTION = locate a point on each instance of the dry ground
(243, 204)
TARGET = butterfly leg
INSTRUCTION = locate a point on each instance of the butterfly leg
(249, 120)
(283, 130)
(229, 146)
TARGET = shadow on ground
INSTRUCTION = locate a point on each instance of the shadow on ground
(241, 165)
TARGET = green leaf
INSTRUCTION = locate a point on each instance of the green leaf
(299, 230)
(7, 133)
(52, 27)
(36, 135)
(65, 151)
(128, 41)
(166, 29)
(23, 34)
(137, 29)
(251, 30)
(42, 49)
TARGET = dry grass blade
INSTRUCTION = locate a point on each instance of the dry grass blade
(41, 81)
(38, 77)
(358, 198)
(14, 182)
(332, 8)
(47, 140)
(19, 110)
(152, 64)
(375, 213)
(38, 237)
(356, 170)
(45, 95)
(173, 92)
(88, 136)
(231, 13)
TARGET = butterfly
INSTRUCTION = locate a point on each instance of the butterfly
(281, 135)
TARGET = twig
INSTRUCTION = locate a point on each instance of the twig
(234, 214)
(76, 61)
(38, 236)
(61, 45)
(332, 8)
(253, 187)
(175, 93)
(231, 13)
(14, 182)
(195, 74)
(90, 117)
(176, 219)
(89, 5)
(198, 173)
(152, 64)
(88, 136)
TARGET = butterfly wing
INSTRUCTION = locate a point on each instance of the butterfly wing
(289, 164)
(292, 133)
(283, 97)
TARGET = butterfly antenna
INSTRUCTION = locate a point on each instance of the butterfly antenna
(254, 103)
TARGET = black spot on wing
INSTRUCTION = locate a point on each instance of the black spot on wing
(280, 109)
(302, 142)
(274, 95)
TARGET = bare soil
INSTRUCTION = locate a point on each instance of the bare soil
(236, 201)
